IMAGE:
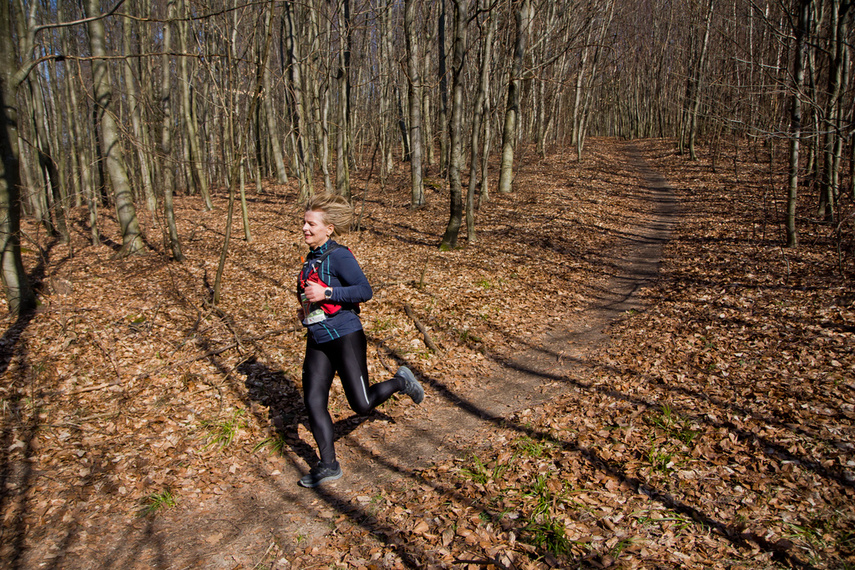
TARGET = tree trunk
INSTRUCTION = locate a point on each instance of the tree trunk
(343, 136)
(455, 163)
(167, 161)
(110, 135)
(478, 119)
(48, 176)
(385, 67)
(244, 210)
(272, 123)
(698, 75)
(443, 91)
(833, 115)
(19, 294)
(796, 120)
(295, 99)
(234, 171)
(319, 97)
(415, 130)
(587, 94)
(135, 103)
(191, 128)
(512, 111)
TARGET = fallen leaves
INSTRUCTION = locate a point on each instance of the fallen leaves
(714, 431)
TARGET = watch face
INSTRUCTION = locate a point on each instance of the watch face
(327, 292)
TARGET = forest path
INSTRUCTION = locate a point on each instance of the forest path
(245, 523)
(536, 374)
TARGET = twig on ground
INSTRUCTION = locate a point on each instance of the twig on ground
(428, 342)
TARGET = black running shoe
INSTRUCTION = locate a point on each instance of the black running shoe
(411, 388)
(321, 473)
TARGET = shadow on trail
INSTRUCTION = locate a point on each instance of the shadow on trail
(631, 272)
(19, 424)
(277, 392)
(415, 556)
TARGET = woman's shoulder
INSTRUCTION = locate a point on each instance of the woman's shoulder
(342, 252)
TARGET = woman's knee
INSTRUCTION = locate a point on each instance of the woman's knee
(361, 408)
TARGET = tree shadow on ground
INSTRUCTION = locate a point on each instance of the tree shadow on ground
(19, 425)
(276, 391)
(414, 555)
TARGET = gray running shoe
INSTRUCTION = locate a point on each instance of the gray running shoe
(411, 388)
(321, 473)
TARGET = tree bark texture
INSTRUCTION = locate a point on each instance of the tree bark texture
(19, 294)
(455, 163)
(512, 111)
(415, 129)
(111, 143)
(802, 27)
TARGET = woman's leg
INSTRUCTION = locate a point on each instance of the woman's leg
(353, 371)
(318, 372)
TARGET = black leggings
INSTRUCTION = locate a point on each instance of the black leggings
(347, 356)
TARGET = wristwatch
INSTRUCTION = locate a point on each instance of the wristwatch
(328, 293)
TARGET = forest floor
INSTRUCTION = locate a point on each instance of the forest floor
(625, 369)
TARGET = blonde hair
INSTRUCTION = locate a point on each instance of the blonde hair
(335, 208)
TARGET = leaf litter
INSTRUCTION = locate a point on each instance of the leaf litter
(713, 430)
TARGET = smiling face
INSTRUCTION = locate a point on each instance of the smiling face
(316, 231)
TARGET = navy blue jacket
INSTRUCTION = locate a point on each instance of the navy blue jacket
(341, 271)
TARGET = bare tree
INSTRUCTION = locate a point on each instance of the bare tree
(167, 168)
(479, 120)
(111, 145)
(696, 81)
(802, 27)
(512, 109)
(415, 130)
(455, 163)
(19, 294)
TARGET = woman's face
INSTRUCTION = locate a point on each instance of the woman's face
(315, 230)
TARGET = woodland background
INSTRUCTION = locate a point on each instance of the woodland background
(140, 136)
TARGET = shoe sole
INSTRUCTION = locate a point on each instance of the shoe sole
(312, 485)
(410, 379)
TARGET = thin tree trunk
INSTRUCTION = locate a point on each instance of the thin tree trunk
(168, 165)
(415, 87)
(698, 76)
(455, 163)
(272, 120)
(796, 121)
(136, 105)
(385, 69)
(110, 135)
(443, 91)
(234, 170)
(478, 118)
(588, 91)
(512, 111)
(319, 97)
(191, 127)
(833, 145)
(48, 172)
(295, 98)
(19, 294)
(343, 136)
(244, 211)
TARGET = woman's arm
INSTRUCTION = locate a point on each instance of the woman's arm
(352, 286)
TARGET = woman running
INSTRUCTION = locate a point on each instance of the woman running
(330, 287)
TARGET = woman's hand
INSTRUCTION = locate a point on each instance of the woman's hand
(314, 292)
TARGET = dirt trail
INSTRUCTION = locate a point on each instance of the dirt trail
(240, 524)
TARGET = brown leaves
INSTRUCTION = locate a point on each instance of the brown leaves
(715, 431)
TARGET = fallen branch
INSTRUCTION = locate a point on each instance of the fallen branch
(91, 388)
(428, 342)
